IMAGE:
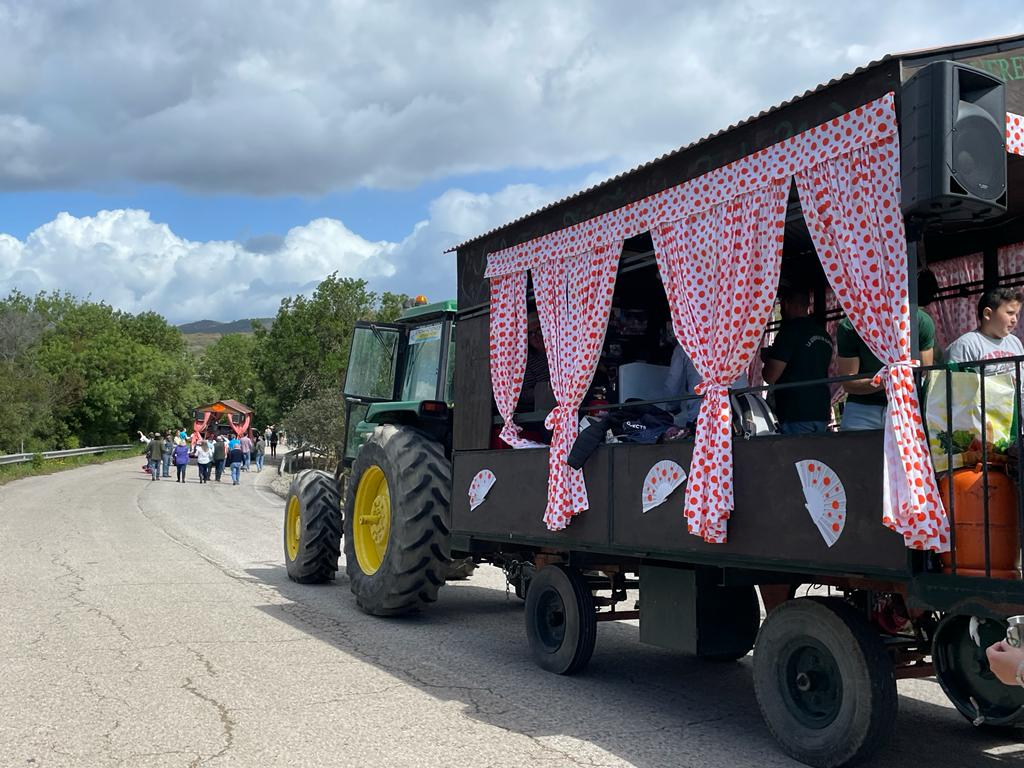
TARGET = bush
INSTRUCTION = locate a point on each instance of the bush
(38, 461)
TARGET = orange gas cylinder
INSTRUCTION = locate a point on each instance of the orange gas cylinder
(969, 516)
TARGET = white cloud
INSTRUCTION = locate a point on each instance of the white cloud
(272, 98)
(125, 258)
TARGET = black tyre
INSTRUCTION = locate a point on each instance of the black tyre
(561, 623)
(824, 682)
(961, 667)
(396, 522)
(312, 528)
(460, 569)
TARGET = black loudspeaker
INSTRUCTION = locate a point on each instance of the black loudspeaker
(953, 143)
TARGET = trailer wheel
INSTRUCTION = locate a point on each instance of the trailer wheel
(312, 528)
(561, 623)
(962, 670)
(824, 682)
(396, 529)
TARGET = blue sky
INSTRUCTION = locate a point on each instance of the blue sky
(205, 160)
(382, 214)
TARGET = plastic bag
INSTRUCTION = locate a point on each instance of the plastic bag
(963, 439)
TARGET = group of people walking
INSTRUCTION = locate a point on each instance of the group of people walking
(212, 455)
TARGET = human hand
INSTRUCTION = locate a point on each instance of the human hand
(1004, 660)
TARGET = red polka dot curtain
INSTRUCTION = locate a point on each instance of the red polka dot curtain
(574, 300)
(508, 350)
(720, 269)
(851, 205)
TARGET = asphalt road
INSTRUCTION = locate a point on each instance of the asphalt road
(152, 624)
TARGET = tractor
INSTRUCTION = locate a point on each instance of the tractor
(394, 473)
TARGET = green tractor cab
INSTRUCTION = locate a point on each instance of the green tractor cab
(401, 373)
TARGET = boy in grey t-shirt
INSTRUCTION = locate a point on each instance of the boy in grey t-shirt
(998, 312)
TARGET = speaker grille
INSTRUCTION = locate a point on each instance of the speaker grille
(979, 156)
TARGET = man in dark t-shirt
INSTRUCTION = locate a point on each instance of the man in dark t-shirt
(865, 403)
(802, 352)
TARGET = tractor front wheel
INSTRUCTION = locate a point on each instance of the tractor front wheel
(312, 528)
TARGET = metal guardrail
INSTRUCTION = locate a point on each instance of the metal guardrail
(288, 459)
(21, 458)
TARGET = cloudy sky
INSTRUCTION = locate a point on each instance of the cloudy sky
(205, 159)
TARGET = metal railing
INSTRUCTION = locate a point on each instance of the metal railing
(289, 458)
(1006, 459)
(21, 458)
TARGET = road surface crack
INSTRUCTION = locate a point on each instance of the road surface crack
(226, 721)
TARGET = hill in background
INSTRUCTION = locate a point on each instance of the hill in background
(202, 333)
(213, 326)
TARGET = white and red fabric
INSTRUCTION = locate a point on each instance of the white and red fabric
(956, 315)
(871, 122)
(1014, 134)
(720, 269)
(851, 205)
(508, 351)
(574, 300)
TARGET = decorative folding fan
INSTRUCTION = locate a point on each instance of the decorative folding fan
(478, 489)
(664, 477)
(825, 498)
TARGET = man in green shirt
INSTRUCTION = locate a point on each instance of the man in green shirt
(802, 352)
(865, 403)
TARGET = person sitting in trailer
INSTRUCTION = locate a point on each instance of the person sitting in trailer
(866, 402)
(998, 314)
(802, 352)
(681, 381)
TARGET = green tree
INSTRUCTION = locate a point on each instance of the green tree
(305, 352)
(113, 372)
(228, 368)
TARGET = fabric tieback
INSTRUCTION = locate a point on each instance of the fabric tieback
(558, 415)
(710, 388)
(886, 371)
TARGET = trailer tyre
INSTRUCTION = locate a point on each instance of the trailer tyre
(561, 623)
(312, 528)
(396, 523)
(824, 682)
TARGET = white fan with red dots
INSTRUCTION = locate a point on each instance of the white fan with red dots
(479, 487)
(825, 498)
(664, 477)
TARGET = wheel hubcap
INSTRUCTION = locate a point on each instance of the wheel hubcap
(293, 527)
(811, 683)
(551, 621)
(371, 524)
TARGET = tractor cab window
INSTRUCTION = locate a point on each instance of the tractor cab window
(422, 363)
(372, 360)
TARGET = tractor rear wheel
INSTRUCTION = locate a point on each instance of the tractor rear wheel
(396, 523)
(312, 528)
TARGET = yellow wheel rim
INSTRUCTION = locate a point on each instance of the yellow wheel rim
(371, 526)
(293, 527)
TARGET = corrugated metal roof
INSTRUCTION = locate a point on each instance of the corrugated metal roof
(888, 57)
